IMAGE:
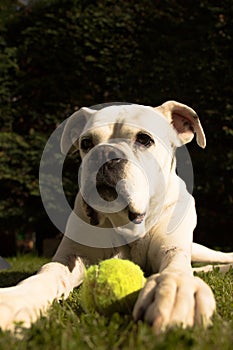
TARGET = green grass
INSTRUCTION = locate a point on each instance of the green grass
(66, 327)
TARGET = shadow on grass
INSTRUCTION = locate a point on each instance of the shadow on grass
(11, 278)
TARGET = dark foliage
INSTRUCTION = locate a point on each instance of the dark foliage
(58, 55)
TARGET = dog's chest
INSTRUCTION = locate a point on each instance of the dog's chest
(138, 253)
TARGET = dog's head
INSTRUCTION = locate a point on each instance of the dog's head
(127, 154)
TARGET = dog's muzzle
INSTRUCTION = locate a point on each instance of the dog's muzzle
(108, 176)
(105, 175)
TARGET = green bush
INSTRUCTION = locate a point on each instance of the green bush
(58, 55)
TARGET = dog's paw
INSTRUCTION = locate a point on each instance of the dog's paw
(170, 299)
(16, 308)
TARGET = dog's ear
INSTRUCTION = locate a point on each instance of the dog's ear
(74, 127)
(185, 121)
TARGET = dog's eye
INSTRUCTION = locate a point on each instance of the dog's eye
(144, 139)
(86, 144)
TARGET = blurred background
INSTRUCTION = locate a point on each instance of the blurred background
(59, 55)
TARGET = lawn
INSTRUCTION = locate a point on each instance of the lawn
(66, 327)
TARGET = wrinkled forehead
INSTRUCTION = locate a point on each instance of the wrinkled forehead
(128, 119)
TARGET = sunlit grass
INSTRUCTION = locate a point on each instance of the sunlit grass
(67, 327)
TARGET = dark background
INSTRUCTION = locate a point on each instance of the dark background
(59, 55)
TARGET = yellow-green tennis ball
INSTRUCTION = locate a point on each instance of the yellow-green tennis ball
(112, 286)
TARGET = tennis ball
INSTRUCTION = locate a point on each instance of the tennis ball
(111, 286)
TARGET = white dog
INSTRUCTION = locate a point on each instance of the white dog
(131, 205)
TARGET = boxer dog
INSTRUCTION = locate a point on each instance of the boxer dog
(132, 205)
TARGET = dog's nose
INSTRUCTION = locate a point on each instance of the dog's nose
(110, 164)
(112, 169)
(113, 154)
(109, 154)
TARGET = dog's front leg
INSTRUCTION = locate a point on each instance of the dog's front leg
(32, 297)
(174, 296)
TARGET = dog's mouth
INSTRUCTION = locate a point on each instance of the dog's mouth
(136, 218)
(109, 194)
